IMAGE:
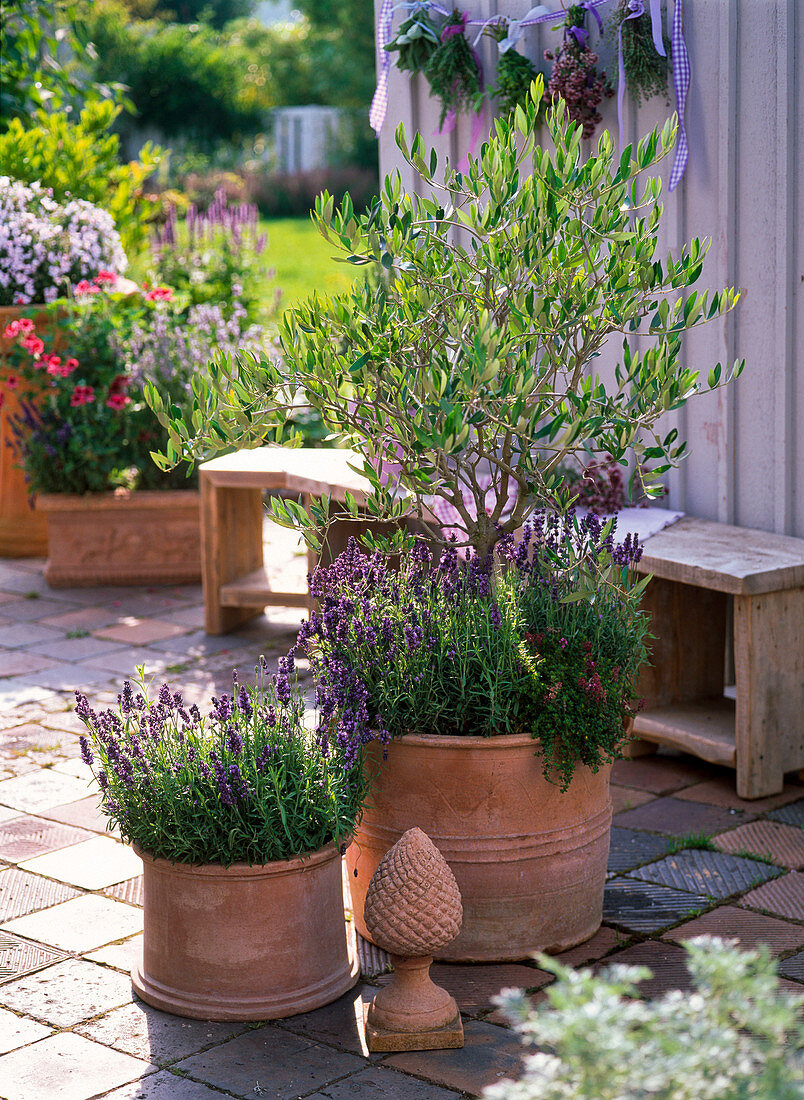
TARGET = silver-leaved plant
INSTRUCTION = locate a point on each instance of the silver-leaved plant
(735, 1037)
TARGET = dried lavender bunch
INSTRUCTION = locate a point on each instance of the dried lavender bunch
(246, 783)
(646, 70)
(515, 73)
(453, 70)
(545, 639)
(575, 77)
(416, 41)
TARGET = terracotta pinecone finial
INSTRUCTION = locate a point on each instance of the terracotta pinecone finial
(413, 905)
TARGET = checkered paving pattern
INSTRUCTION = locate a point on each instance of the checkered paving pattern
(69, 1022)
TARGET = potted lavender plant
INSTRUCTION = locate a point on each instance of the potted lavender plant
(240, 819)
(466, 365)
(44, 246)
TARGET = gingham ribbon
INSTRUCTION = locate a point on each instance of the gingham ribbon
(379, 104)
(681, 80)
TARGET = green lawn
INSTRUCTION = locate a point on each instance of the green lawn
(302, 260)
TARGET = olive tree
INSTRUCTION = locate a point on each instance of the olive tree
(466, 353)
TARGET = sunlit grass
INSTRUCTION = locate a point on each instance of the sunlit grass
(302, 260)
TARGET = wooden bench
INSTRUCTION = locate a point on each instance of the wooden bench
(236, 585)
(697, 565)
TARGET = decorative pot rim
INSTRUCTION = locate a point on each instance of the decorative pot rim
(116, 498)
(244, 870)
(474, 741)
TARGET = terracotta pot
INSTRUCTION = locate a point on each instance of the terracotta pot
(244, 943)
(530, 861)
(23, 532)
(123, 537)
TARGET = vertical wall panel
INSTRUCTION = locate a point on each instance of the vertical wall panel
(743, 189)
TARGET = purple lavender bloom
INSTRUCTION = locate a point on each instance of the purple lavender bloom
(86, 752)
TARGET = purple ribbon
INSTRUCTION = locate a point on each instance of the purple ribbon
(681, 79)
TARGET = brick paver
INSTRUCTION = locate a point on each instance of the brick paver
(73, 889)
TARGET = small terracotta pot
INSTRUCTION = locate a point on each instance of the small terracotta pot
(242, 942)
(530, 861)
(23, 532)
(122, 537)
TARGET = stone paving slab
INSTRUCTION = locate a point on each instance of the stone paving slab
(24, 837)
(666, 962)
(79, 925)
(782, 844)
(84, 814)
(793, 968)
(155, 1036)
(18, 1031)
(675, 817)
(22, 893)
(713, 874)
(19, 957)
(122, 956)
(660, 774)
(39, 790)
(91, 864)
(20, 663)
(67, 993)
(750, 928)
(66, 1066)
(782, 898)
(339, 1024)
(383, 1083)
(791, 814)
(647, 906)
(491, 1054)
(130, 890)
(629, 848)
(165, 1086)
(43, 610)
(721, 792)
(133, 631)
(270, 1062)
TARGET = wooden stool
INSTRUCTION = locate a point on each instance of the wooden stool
(696, 565)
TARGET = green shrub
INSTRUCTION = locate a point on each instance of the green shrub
(81, 160)
(737, 1036)
(182, 80)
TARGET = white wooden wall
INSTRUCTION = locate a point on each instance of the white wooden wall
(744, 189)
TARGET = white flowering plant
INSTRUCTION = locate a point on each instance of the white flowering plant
(45, 245)
(735, 1037)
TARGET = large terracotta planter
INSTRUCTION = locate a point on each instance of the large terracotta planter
(530, 861)
(244, 943)
(23, 532)
(123, 537)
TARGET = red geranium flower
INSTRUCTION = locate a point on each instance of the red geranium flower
(33, 344)
(118, 401)
(12, 330)
(26, 324)
(12, 381)
(159, 294)
(85, 287)
(106, 277)
(70, 366)
(82, 395)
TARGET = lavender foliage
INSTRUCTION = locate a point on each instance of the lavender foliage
(544, 638)
(247, 783)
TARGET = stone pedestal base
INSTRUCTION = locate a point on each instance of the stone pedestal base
(381, 1040)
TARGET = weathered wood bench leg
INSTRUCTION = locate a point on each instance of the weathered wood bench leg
(231, 546)
(687, 657)
(769, 661)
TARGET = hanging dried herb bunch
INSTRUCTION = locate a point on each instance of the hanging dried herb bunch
(416, 41)
(453, 70)
(515, 73)
(646, 70)
(575, 77)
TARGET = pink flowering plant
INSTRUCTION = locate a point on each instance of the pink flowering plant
(45, 246)
(84, 426)
(244, 783)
